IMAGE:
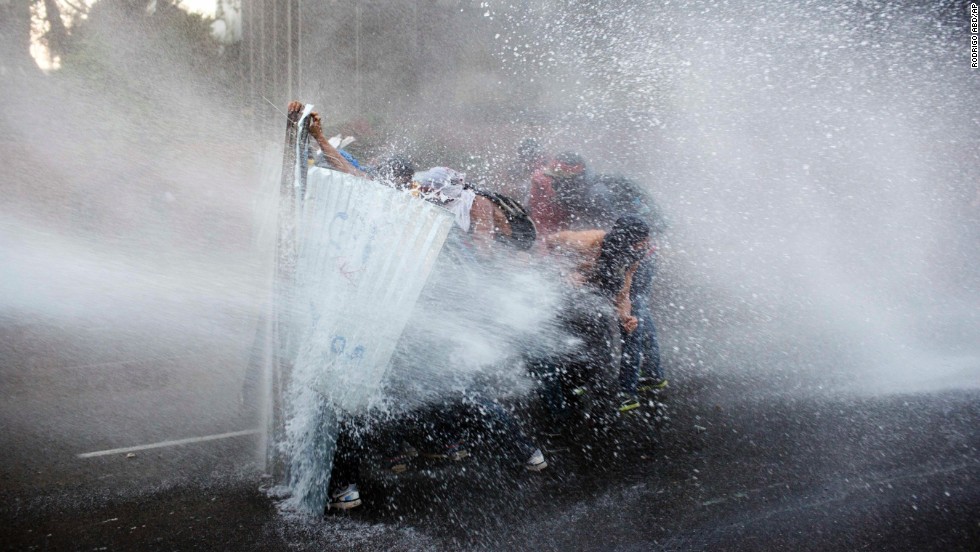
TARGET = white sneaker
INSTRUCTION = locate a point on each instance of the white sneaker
(345, 498)
(536, 462)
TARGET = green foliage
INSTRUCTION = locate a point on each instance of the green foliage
(119, 37)
(150, 64)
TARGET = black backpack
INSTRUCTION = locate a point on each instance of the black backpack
(522, 231)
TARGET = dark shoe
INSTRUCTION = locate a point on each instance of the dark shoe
(455, 451)
(401, 462)
(397, 464)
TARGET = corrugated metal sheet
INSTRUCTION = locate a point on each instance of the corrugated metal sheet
(364, 254)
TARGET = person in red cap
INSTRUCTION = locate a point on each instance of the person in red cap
(559, 194)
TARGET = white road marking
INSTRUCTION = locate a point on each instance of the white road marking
(121, 362)
(169, 443)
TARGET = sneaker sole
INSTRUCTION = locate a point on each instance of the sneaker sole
(345, 505)
(455, 457)
(536, 467)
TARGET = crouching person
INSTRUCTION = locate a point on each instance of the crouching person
(598, 267)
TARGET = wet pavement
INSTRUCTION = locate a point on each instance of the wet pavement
(735, 467)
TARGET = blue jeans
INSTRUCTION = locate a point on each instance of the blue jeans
(641, 351)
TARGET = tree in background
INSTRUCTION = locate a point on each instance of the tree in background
(131, 110)
(70, 31)
(15, 38)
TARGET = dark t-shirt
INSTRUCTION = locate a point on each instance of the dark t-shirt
(616, 196)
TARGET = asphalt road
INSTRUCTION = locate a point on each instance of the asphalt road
(736, 467)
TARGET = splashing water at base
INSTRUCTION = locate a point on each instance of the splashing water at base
(364, 253)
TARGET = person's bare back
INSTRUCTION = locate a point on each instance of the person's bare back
(579, 250)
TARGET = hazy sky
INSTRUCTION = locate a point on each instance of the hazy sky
(200, 6)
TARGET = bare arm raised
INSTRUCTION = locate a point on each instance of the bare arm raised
(336, 160)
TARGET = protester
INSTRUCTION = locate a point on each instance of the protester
(331, 156)
(395, 170)
(641, 369)
(483, 218)
(564, 196)
(599, 267)
(483, 221)
(604, 260)
(516, 179)
(486, 224)
(598, 232)
(556, 191)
